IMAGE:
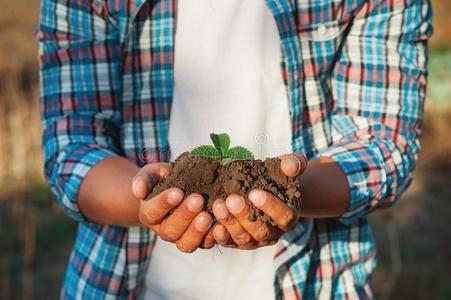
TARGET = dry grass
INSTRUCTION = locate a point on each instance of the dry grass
(413, 237)
(20, 157)
(442, 24)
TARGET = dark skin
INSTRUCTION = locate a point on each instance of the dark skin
(325, 193)
(125, 202)
(324, 188)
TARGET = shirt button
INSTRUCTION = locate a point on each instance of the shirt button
(322, 30)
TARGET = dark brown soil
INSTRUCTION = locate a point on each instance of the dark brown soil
(206, 176)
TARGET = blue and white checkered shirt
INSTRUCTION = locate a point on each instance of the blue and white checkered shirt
(355, 75)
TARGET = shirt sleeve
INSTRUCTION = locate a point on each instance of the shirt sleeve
(379, 85)
(79, 58)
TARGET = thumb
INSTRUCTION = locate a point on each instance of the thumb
(293, 164)
(147, 178)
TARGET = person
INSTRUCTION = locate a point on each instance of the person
(126, 86)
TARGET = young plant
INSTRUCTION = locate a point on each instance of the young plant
(221, 150)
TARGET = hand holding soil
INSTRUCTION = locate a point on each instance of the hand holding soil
(170, 215)
(253, 202)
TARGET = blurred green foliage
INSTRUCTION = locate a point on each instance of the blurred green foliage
(439, 87)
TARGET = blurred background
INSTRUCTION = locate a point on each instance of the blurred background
(414, 238)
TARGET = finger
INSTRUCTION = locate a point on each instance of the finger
(175, 225)
(293, 165)
(147, 178)
(224, 239)
(222, 236)
(152, 211)
(239, 235)
(284, 216)
(195, 233)
(258, 229)
(209, 240)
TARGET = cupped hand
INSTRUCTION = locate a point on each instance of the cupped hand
(236, 231)
(187, 226)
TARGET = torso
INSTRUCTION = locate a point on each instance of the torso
(227, 79)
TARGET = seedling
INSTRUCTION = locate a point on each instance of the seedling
(221, 150)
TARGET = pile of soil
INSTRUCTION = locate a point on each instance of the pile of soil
(207, 176)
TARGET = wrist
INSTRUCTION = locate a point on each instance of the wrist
(106, 196)
(324, 189)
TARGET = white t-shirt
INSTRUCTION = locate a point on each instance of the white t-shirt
(227, 79)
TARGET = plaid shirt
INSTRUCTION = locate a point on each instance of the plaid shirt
(355, 75)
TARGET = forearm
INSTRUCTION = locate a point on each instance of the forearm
(106, 196)
(325, 189)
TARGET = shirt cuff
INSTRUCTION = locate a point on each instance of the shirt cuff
(364, 168)
(71, 167)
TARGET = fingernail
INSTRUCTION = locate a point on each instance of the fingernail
(235, 204)
(195, 203)
(291, 165)
(139, 189)
(202, 223)
(257, 197)
(175, 197)
(221, 211)
(302, 163)
(135, 187)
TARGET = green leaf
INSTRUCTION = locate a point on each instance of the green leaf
(206, 151)
(221, 150)
(221, 142)
(239, 153)
(227, 161)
